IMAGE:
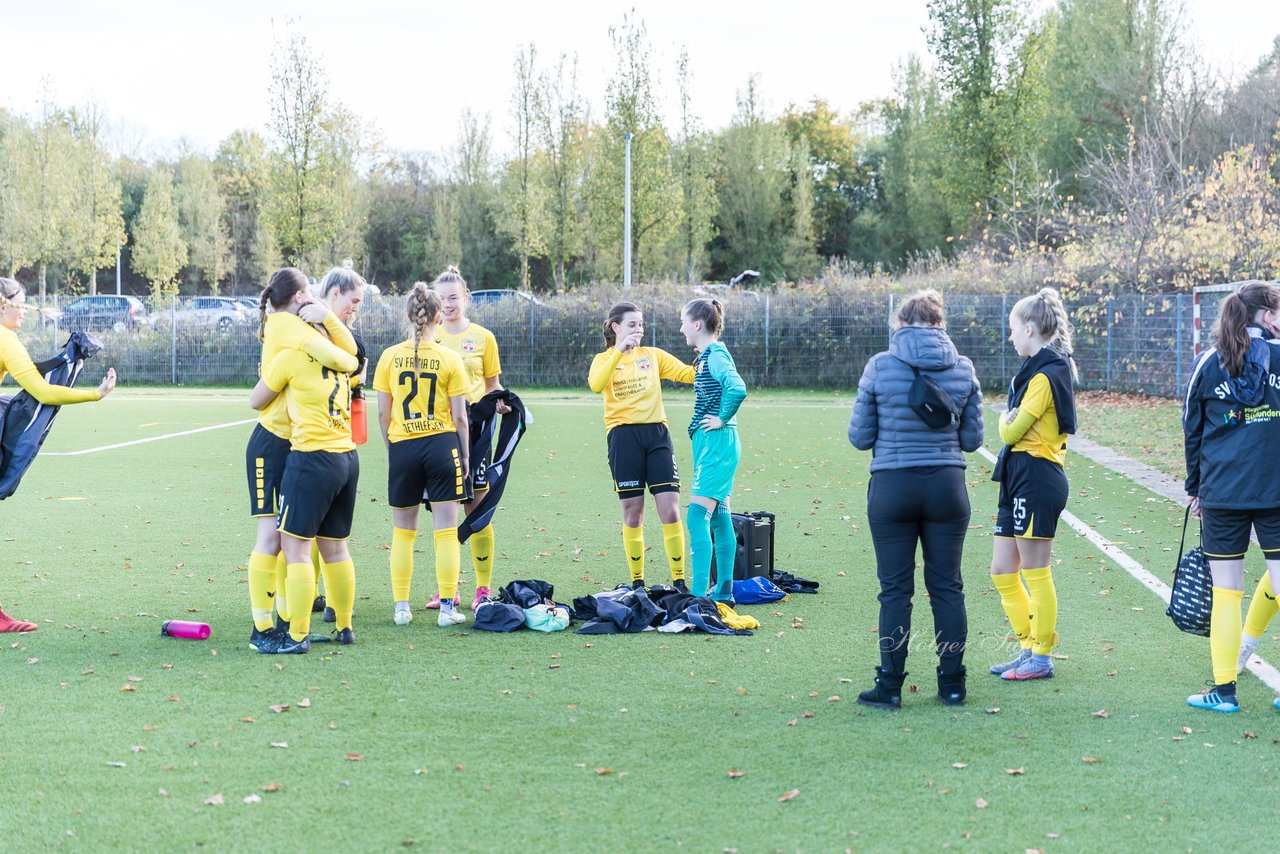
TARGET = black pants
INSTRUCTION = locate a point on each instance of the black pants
(929, 506)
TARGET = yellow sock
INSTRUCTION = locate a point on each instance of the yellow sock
(262, 582)
(633, 545)
(1262, 609)
(282, 597)
(673, 542)
(402, 540)
(1017, 605)
(448, 563)
(340, 589)
(302, 588)
(1044, 607)
(481, 543)
(1224, 634)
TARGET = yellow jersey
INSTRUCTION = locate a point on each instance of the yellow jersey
(632, 384)
(285, 331)
(1035, 429)
(479, 352)
(317, 397)
(420, 394)
(15, 360)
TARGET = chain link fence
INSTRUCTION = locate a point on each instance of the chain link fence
(790, 339)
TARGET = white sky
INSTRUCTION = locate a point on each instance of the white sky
(194, 70)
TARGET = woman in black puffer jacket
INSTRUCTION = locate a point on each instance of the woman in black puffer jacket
(917, 491)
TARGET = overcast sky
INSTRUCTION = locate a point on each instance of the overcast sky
(193, 70)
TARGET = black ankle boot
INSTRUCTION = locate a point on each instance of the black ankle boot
(887, 693)
(951, 687)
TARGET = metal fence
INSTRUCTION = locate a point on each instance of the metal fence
(1140, 344)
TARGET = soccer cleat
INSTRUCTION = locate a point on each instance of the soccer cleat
(329, 615)
(434, 604)
(404, 615)
(1022, 656)
(450, 618)
(680, 585)
(482, 593)
(260, 638)
(318, 604)
(9, 624)
(1247, 646)
(637, 584)
(1029, 669)
(286, 645)
(1216, 698)
(346, 637)
(1276, 702)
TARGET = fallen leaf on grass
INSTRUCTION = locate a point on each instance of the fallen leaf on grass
(138, 748)
(1248, 734)
(353, 757)
(1101, 713)
(174, 698)
(280, 744)
(1186, 730)
(833, 699)
(253, 799)
(980, 803)
(807, 715)
(603, 771)
(1015, 772)
(791, 722)
(913, 689)
(994, 710)
(133, 678)
(788, 795)
(304, 703)
(247, 720)
(734, 773)
(1090, 760)
(88, 672)
(116, 764)
(271, 787)
(282, 707)
(213, 801)
(959, 766)
(844, 680)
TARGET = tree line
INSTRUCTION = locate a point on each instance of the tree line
(1086, 142)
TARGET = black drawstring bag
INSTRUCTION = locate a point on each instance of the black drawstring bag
(1191, 601)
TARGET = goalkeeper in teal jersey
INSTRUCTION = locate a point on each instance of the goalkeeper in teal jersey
(718, 392)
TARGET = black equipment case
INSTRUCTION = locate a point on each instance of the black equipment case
(754, 531)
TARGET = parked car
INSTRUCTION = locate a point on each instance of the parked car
(105, 311)
(492, 295)
(221, 313)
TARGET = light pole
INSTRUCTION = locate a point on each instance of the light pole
(117, 268)
(626, 216)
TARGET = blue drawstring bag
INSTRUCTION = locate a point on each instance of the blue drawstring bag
(755, 590)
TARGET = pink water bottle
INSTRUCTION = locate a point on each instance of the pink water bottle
(185, 629)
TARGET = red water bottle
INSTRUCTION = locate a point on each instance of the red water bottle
(359, 420)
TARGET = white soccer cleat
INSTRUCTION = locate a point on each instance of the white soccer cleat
(450, 618)
(1246, 650)
(404, 615)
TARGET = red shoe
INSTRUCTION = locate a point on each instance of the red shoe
(434, 604)
(9, 624)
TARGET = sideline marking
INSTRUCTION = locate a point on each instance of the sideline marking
(1259, 666)
(147, 440)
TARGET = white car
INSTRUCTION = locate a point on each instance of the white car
(221, 313)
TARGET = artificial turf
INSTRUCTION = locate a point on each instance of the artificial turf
(113, 738)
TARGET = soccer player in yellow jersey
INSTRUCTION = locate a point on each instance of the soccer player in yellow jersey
(479, 351)
(288, 326)
(422, 409)
(635, 422)
(15, 361)
(318, 487)
(1033, 486)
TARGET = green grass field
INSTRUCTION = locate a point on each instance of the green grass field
(113, 738)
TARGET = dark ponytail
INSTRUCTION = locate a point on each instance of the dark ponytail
(1231, 329)
(279, 292)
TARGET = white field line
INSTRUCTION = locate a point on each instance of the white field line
(1257, 665)
(147, 440)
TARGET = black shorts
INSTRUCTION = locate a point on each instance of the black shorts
(1224, 534)
(1033, 495)
(428, 468)
(318, 494)
(264, 458)
(641, 455)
